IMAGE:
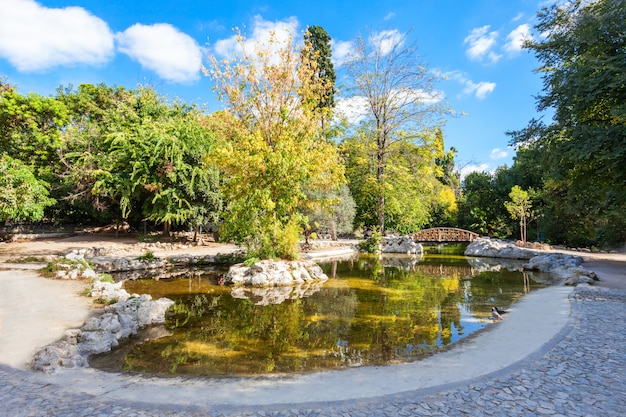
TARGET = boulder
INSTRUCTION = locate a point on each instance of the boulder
(495, 248)
(402, 244)
(567, 268)
(104, 332)
(274, 273)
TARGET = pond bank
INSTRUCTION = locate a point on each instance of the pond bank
(29, 391)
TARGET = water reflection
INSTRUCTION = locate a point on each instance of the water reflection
(374, 310)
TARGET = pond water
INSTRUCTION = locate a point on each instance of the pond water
(371, 311)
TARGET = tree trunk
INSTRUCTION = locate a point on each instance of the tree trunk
(166, 229)
(380, 179)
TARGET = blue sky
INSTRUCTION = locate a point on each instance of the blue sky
(48, 43)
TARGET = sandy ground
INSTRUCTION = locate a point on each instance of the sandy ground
(35, 311)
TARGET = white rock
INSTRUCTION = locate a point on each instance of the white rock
(275, 273)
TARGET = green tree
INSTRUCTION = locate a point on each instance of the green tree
(133, 150)
(520, 208)
(334, 214)
(322, 68)
(22, 195)
(414, 197)
(272, 149)
(30, 127)
(400, 99)
(582, 59)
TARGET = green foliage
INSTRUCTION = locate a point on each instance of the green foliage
(22, 195)
(251, 261)
(331, 213)
(482, 206)
(106, 278)
(63, 264)
(134, 151)
(272, 149)
(323, 69)
(30, 127)
(372, 243)
(583, 149)
(25, 260)
(148, 257)
(378, 75)
(520, 208)
(414, 196)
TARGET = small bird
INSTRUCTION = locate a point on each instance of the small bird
(496, 313)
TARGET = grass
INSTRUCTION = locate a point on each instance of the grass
(25, 260)
(148, 256)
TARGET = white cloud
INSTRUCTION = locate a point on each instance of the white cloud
(480, 89)
(262, 32)
(468, 169)
(518, 17)
(341, 51)
(386, 40)
(37, 38)
(516, 38)
(481, 43)
(390, 16)
(162, 48)
(498, 153)
(354, 109)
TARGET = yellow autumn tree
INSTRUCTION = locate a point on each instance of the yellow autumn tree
(271, 147)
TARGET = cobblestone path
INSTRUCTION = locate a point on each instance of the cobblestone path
(582, 374)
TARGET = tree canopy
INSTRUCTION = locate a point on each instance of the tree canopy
(401, 103)
(583, 148)
(272, 149)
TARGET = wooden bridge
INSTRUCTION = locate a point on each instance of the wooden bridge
(444, 234)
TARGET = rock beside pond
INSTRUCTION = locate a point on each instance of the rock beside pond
(568, 268)
(275, 273)
(495, 248)
(402, 244)
(103, 332)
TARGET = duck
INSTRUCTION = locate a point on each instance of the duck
(496, 313)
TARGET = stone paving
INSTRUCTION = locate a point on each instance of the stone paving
(583, 373)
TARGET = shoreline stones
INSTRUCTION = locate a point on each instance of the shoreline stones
(102, 332)
(566, 268)
(402, 244)
(275, 273)
(496, 248)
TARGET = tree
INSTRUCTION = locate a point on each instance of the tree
(399, 93)
(134, 151)
(30, 127)
(414, 196)
(271, 149)
(582, 59)
(520, 208)
(322, 69)
(22, 195)
(335, 217)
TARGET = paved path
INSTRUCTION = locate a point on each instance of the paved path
(581, 372)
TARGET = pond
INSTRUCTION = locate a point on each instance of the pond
(371, 311)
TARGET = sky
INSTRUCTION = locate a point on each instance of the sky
(474, 44)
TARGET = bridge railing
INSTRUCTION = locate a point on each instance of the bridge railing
(444, 234)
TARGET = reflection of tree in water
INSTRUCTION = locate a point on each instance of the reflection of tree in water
(370, 314)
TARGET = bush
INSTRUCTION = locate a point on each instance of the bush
(372, 244)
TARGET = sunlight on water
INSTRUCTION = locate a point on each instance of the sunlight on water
(371, 311)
